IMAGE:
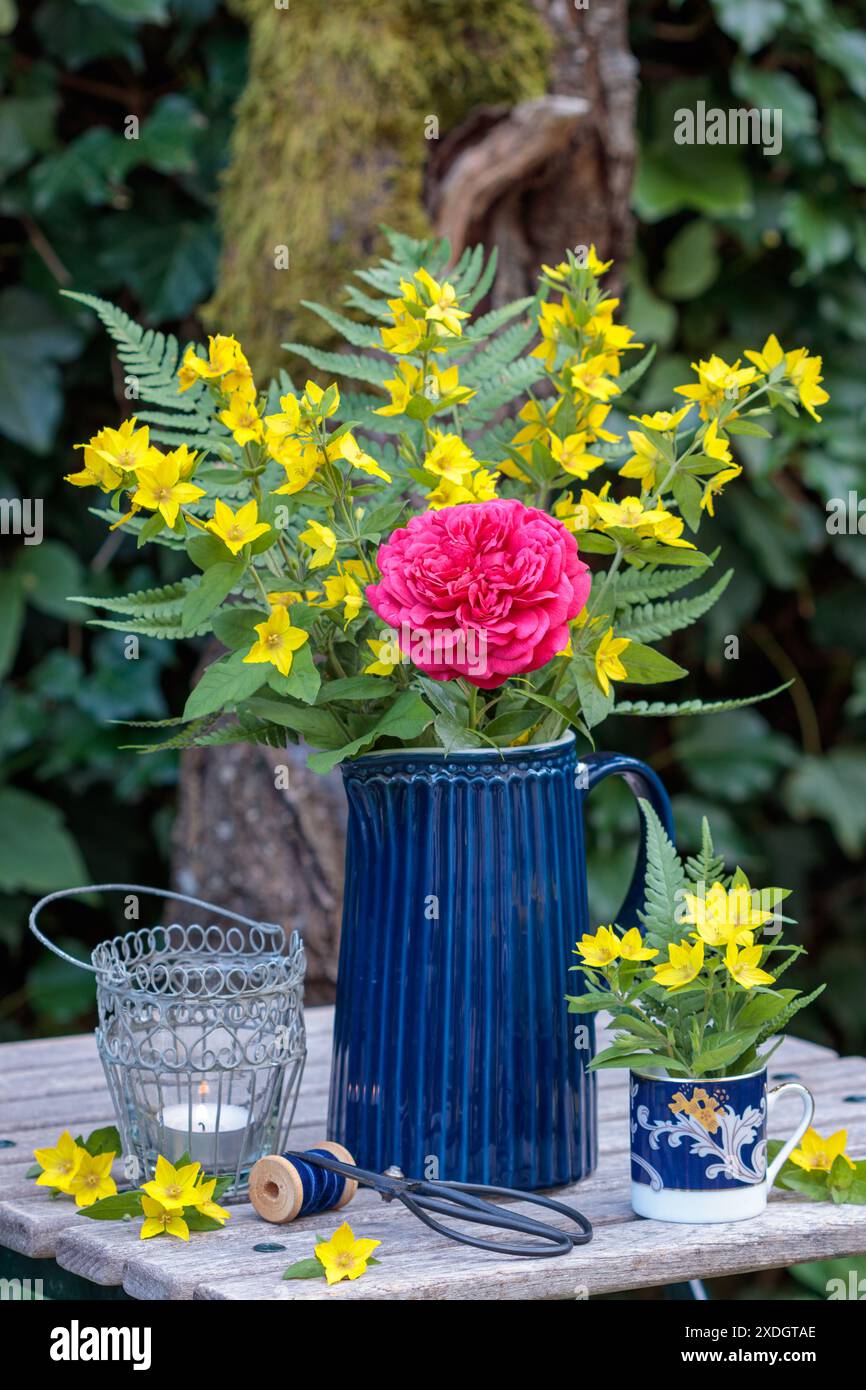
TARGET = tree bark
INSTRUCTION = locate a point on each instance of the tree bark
(549, 172)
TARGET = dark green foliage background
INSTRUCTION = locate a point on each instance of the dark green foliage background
(731, 245)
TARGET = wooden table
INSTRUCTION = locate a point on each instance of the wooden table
(48, 1086)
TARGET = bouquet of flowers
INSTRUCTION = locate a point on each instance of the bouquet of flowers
(407, 565)
(696, 993)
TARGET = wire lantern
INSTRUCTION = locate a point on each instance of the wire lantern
(201, 1036)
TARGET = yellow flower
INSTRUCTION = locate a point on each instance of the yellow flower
(715, 445)
(805, 372)
(537, 421)
(663, 420)
(224, 356)
(449, 458)
(323, 542)
(479, 486)
(300, 458)
(58, 1164)
(312, 399)
(343, 588)
(770, 356)
(404, 336)
(91, 1179)
(345, 1255)
(278, 641)
(632, 946)
(382, 649)
(287, 420)
(237, 529)
(721, 917)
(646, 461)
(573, 515)
(715, 485)
(599, 950)
(572, 456)
(408, 382)
(590, 378)
(683, 965)
(443, 306)
(820, 1154)
(242, 418)
(161, 488)
(608, 666)
(111, 453)
(173, 1187)
(717, 383)
(204, 1202)
(743, 965)
(349, 449)
(159, 1220)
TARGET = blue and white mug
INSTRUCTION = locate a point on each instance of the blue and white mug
(699, 1148)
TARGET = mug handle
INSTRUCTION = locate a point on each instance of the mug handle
(806, 1119)
(646, 785)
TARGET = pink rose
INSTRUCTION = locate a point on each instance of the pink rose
(483, 590)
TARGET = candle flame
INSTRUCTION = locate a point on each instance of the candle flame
(203, 1089)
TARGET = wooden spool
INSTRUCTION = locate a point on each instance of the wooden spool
(276, 1191)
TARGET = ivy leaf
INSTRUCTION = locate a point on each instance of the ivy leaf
(103, 1141)
(832, 788)
(749, 24)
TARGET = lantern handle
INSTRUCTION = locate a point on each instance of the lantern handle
(130, 888)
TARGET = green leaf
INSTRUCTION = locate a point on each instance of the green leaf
(764, 88)
(303, 681)
(215, 585)
(356, 688)
(716, 1057)
(37, 852)
(673, 178)
(226, 682)
(199, 1220)
(692, 262)
(632, 375)
(34, 338)
(305, 1269)
(646, 666)
(751, 25)
(407, 717)
(103, 1141)
(816, 229)
(114, 1208)
(11, 619)
(235, 625)
(318, 726)
(832, 788)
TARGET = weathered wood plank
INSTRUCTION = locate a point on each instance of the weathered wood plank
(46, 1086)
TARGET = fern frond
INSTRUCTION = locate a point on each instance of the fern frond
(490, 323)
(145, 603)
(664, 882)
(502, 350)
(358, 334)
(707, 867)
(374, 370)
(513, 381)
(167, 629)
(651, 621)
(637, 586)
(659, 709)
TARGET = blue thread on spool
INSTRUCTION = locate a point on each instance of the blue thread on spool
(285, 1186)
(322, 1188)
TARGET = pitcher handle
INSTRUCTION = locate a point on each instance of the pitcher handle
(646, 785)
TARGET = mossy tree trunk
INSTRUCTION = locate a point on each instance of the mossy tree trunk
(504, 121)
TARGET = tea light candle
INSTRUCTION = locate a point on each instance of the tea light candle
(197, 1134)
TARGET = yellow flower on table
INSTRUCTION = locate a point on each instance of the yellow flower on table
(322, 541)
(91, 1179)
(58, 1164)
(162, 488)
(608, 665)
(204, 1201)
(684, 964)
(820, 1154)
(633, 947)
(173, 1187)
(345, 1255)
(599, 949)
(743, 965)
(278, 641)
(237, 529)
(160, 1220)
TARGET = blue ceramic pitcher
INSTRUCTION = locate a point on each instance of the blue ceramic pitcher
(454, 1053)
